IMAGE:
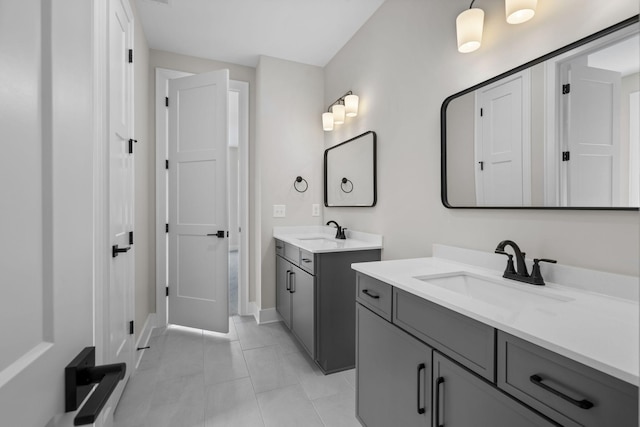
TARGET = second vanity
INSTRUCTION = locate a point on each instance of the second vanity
(446, 341)
(315, 289)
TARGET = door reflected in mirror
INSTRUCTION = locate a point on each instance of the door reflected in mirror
(562, 131)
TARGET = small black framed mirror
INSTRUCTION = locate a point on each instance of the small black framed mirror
(559, 132)
(350, 172)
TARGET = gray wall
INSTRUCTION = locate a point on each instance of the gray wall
(403, 63)
(289, 143)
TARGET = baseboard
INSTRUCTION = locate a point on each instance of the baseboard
(262, 316)
(145, 334)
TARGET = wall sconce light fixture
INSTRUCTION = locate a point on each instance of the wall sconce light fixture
(469, 26)
(519, 11)
(345, 106)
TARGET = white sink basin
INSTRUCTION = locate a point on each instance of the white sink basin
(316, 240)
(319, 242)
(501, 294)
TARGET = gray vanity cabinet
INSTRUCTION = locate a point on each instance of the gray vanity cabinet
(315, 298)
(462, 399)
(295, 302)
(393, 376)
(480, 376)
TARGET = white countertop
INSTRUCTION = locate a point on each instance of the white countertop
(597, 330)
(319, 239)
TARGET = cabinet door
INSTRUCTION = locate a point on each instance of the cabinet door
(462, 399)
(283, 296)
(393, 374)
(303, 308)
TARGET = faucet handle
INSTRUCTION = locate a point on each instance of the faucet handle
(510, 267)
(536, 275)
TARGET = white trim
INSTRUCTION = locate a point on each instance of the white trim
(268, 315)
(145, 335)
(100, 179)
(163, 75)
(243, 194)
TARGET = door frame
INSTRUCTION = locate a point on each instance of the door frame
(163, 75)
(101, 188)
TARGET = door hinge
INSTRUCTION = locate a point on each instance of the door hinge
(166, 164)
(131, 146)
(481, 112)
(566, 88)
(131, 237)
(167, 291)
(227, 234)
(130, 56)
(166, 228)
(131, 329)
(565, 156)
(166, 101)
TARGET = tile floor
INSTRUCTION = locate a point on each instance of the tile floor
(257, 375)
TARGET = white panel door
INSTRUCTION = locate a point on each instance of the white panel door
(500, 145)
(46, 205)
(198, 258)
(593, 137)
(119, 307)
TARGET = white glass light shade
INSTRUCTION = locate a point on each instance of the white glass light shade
(327, 121)
(351, 105)
(519, 11)
(338, 114)
(469, 25)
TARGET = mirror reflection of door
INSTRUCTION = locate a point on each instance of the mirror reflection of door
(502, 148)
(598, 126)
(592, 139)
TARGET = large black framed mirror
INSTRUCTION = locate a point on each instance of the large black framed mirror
(350, 172)
(559, 132)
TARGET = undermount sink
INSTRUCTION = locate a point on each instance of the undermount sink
(505, 295)
(319, 242)
(315, 239)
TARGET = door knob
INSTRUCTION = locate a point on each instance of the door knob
(81, 375)
(219, 234)
(115, 250)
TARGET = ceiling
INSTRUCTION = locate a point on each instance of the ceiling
(239, 31)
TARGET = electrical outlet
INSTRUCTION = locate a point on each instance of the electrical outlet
(279, 211)
(315, 209)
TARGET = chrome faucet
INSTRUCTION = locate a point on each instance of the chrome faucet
(521, 274)
(339, 230)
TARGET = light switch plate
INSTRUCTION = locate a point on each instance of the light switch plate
(315, 209)
(279, 211)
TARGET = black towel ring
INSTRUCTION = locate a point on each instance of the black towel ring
(300, 179)
(344, 181)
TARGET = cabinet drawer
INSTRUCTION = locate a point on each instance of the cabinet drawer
(374, 294)
(307, 261)
(292, 253)
(461, 399)
(563, 389)
(279, 247)
(465, 340)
